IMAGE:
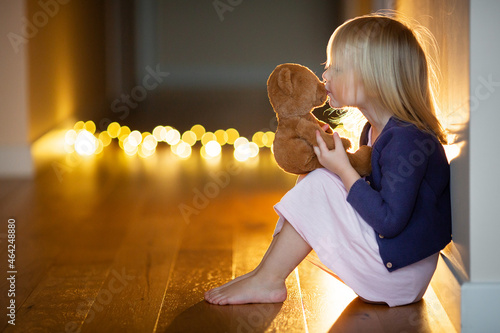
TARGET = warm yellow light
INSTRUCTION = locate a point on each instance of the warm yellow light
(163, 133)
(99, 148)
(114, 130)
(213, 148)
(240, 142)
(135, 138)
(189, 137)
(221, 136)
(245, 150)
(131, 151)
(105, 138)
(145, 152)
(129, 145)
(198, 130)
(451, 151)
(268, 138)
(86, 143)
(124, 133)
(232, 135)
(89, 126)
(181, 149)
(253, 149)
(79, 126)
(70, 137)
(149, 143)
(257, 138)
(207, 137)
(157, 132)
(173, 137)
(241, 154)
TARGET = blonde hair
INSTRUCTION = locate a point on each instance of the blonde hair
(392, 59)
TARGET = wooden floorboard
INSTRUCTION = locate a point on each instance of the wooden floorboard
(124, 244)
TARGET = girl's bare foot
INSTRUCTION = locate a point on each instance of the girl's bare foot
(252, 289)
(241, 277)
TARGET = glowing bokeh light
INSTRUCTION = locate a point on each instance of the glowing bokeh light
(114, 130)
(207, 137)
(240, 142)
(70, 137)
(85, 143)
(124, 133)
(232, 135)
(257, 138)
(79, 125)
(181, 149)
(198, 130)
(105, 138)
(135, 138)
(213, 148)
(189, 137)
(149, 143)
(173, 137)
(221, 136)
(157, 132)
(268, 138)
(89, 126)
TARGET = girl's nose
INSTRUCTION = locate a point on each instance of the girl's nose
(323, 76)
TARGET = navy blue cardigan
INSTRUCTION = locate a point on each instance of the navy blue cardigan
(406, 198)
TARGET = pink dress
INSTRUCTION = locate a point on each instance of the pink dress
(318, 210)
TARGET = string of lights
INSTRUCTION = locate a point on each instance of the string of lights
(84, 140)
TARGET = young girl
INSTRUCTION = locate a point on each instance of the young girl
(381, 235)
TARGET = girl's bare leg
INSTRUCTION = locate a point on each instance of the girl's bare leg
(267, 283)
(299, 178)
(244, 276)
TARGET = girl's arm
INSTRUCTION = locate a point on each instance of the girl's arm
(336, 160)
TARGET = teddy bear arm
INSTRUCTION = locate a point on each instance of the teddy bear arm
(361, 160)
(307, 131)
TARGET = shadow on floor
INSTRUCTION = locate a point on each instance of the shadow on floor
(206, 317)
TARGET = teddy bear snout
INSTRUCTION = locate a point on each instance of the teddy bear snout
(321, 94)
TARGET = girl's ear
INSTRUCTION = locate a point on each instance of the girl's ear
(285, 81)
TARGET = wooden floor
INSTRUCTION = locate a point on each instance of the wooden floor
(124, 244)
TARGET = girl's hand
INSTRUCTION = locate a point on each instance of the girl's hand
(336, 160)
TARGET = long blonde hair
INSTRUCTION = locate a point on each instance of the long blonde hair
(391, 58)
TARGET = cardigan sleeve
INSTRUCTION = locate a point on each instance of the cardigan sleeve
(387, 208)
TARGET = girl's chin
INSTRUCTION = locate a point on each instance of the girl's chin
(333, 104)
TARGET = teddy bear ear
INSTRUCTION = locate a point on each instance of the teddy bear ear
(285, 81)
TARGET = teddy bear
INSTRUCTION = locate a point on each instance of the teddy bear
(294, 91)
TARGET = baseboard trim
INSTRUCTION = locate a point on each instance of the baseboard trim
(480, 307)
(16, 161)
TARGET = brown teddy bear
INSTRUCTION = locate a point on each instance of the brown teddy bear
(294, 91)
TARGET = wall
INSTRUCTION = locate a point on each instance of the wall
(15, 158)
(67, 73)
(467, 35)
(448, 21)
(481, 294)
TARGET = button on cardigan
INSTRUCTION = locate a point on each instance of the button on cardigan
(406, 198)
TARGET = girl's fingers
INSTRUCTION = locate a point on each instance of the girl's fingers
(321, 143)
